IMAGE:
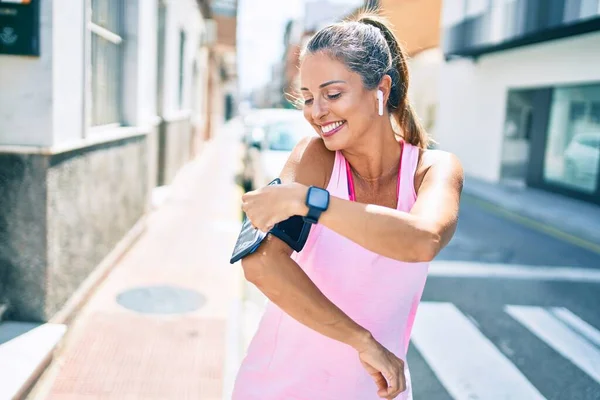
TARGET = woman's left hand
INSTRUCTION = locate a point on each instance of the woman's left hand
(269, 205)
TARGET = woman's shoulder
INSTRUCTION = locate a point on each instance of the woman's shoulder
(430, 157)
(436, 161)
(310, 163)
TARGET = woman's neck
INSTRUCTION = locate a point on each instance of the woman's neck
(376, 154)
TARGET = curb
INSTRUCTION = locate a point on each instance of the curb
(28, 356)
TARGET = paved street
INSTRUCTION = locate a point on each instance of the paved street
(525, 337)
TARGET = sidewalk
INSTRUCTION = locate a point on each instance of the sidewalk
(156, 327)
(573, 220)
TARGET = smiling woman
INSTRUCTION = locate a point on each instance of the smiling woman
(381, 207)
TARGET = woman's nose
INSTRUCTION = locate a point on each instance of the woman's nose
(318, 110)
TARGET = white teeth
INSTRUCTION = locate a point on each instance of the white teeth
(328, 128)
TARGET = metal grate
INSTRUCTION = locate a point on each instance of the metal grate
(161, 300)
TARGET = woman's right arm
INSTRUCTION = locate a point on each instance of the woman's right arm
(282, 280)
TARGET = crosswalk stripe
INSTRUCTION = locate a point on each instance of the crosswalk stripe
(560, 337)
(469, 269)
(463, 359)
(577, 324)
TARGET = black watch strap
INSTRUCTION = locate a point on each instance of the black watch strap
(312, 217)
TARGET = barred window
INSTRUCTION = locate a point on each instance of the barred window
(107, 48)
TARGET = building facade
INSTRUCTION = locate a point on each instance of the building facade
(223, 61)
(520, 92)
(113, 103)
(416, 24)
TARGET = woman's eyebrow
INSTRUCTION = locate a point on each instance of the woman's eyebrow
(322, 85)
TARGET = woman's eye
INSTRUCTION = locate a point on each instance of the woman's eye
(334, 96)
(308, 101)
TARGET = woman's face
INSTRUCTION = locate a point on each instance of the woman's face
(335, 101)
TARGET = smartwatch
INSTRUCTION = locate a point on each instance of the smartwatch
(317, 201)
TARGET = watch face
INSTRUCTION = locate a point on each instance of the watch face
(318, 198)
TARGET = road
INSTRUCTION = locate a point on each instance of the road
(500, 330)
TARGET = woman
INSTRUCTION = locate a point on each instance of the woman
(382, 206)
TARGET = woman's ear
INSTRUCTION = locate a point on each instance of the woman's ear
(385, 86)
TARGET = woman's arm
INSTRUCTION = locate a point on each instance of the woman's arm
(414, 237)
(282, 280)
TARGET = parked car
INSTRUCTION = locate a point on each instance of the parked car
(582, 158)
(270, 146)
(252, 136)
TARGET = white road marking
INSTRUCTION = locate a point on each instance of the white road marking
(463, 359)
(465, 269)
(560, 337)
(578, 325)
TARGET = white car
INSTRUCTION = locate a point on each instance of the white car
(254, 124)
(582, 158)
(278, 139)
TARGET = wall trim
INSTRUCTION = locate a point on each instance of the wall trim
(100, 136)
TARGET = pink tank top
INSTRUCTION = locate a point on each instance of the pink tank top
(287, 360)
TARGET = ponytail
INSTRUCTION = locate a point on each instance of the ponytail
(398, 102)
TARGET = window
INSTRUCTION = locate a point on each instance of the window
(106, 49)
(572, 157)
(225, 8)
(283, 136)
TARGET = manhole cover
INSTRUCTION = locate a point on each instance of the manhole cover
(161, 300)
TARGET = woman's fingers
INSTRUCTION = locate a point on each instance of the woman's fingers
(394, 382)
(390, 390)
(386, 369)
(380, 382)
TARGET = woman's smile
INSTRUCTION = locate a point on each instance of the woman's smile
(331, 128)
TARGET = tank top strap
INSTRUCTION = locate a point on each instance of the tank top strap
(338, 183)
(406, 192)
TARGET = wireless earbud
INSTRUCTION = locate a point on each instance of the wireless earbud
(380, 99)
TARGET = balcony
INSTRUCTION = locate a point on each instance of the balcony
(518, 23)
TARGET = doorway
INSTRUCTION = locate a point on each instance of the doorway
(517, 137)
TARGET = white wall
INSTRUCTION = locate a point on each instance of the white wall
(139, 70)
(26, 91)
(473, 94)
(68, 67)
(199, 101)
(423, 90)
(182, 15)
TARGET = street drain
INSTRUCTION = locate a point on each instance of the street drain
(161, 300)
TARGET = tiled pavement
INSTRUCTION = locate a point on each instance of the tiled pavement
(181, 261)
